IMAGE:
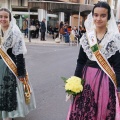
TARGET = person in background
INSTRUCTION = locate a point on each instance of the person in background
(25, 27)
(66, 34)
(37, 30)
(61, 25)
(75, 33)
(61, 32)
(69, 29)
(55, 32)
(43, 29)
(50, 30)
(83, 30)
(16, 95)
(80, 33)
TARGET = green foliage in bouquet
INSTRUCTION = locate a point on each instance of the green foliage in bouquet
(73, 85)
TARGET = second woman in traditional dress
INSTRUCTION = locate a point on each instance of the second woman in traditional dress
(99, 65)
(16, 95)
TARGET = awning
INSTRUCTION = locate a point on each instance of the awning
(59, 6)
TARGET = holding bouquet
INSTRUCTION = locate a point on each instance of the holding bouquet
(73, 86)
(98, 63)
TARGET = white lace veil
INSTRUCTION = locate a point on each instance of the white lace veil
(113, 38)
(13, 38)
(112, 26)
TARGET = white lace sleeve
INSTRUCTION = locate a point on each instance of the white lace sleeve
(19, 44)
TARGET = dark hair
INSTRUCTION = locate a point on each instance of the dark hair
(6, 10)
(103, 5)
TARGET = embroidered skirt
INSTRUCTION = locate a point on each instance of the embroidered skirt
(98, 101)
(12, 101)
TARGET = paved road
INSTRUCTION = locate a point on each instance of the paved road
(46, 64)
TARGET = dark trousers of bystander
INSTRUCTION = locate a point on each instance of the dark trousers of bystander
(43, 36)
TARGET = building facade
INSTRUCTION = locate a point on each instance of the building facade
(20, 9)
(73, 18)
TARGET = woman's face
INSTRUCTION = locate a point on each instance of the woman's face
(100, 17)
(4, 19)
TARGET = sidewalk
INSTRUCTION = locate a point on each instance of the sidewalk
(49, 40)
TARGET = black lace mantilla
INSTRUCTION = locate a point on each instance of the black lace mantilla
(8, 97)
(85, 106)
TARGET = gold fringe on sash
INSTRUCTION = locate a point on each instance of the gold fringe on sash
(105, 65)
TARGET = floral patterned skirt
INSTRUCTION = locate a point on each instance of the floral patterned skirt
(12, 101)
(98, 101)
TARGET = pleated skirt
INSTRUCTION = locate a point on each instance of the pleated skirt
(22, 108)
(98, 100)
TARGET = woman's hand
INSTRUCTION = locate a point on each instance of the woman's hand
(119, 97)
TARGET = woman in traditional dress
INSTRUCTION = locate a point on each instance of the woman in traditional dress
(16, 95)
(99, 65)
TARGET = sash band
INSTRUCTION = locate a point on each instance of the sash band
(100, 59)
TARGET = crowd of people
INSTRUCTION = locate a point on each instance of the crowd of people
(34, 28)
(64, 30)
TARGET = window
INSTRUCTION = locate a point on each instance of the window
(20, 2)
(87, 1)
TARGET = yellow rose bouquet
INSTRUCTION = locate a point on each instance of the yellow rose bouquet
(73, 85)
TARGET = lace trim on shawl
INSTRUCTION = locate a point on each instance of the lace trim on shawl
(85, 46)
(113, 41)
(13, 38)
(110, 44)
(14, 41)
(17, 47)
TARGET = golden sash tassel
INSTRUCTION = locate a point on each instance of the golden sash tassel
(27, 90)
